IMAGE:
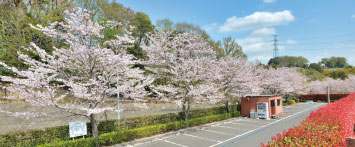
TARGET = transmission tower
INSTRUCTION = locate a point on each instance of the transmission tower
(276, 50)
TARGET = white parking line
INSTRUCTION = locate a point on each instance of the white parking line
(252, 121)
(230, 127)
(202, 138)
(262, 126)
(173, 143)
(244, 124)
(217, 132)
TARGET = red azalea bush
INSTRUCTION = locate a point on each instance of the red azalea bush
(321, 97)
(328, 126)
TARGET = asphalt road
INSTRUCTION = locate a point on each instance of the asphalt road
(292, 117)
(243, 132)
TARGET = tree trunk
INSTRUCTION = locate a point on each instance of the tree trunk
(18, 33)
(94, 129)
(226, 96)
(186, 110)
(286, 97)
(227, 105)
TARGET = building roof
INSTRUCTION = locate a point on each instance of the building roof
(251, 96)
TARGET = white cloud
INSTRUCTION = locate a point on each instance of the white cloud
(264, 32)
(258, 41)
(353, 16)
(258, 45)
(269, 1)
(257, 20)
(291, 42)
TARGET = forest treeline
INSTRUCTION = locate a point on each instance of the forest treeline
(333, 67)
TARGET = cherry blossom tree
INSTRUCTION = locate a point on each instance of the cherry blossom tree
(185, 60)
(281, 81)
(89, 71)
(336, 86)
(236, 78)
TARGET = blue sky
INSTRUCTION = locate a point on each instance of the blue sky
(311, 28)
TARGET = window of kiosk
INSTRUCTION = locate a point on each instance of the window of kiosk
(278, 102)
(272, 103)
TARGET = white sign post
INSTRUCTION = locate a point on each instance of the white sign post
(263, 111)
(77, 128)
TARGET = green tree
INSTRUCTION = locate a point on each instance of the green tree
(92, 5)
(115, 12)
(188, 27)
(16, 33)
(142, 25)
(229, 47)
(165, 25)
(335, 62)
(316, 67)
(289, 61)
(12, 36)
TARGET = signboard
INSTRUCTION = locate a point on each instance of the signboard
(77, 128)
(263, 111)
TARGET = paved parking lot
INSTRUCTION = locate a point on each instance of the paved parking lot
(239, 131)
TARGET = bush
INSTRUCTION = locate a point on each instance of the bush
(328, 126)
(131, 134)
(292, 102)
(89, 142)
(312, 74)
(35, 137)
(142, 121)
(61, 133)
(316, 67)
(6, 72)
(338, 73)
(286, 103)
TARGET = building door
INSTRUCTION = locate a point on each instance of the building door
(273, 107)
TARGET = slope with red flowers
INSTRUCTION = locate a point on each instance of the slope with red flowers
(328, 126)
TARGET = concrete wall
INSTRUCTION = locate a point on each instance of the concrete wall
(249, 104)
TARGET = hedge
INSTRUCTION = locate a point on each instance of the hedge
(87, 142)
(321, 97)
(131, 134)
(61, 133)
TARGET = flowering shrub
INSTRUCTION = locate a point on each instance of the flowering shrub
(328, 126)
(292, 101)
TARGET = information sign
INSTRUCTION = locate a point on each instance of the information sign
(77, 128)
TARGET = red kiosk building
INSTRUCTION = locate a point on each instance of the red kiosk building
(249, 103)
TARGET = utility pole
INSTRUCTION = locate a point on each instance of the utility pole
(276, 50)
(118, 106)
(328, 94)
